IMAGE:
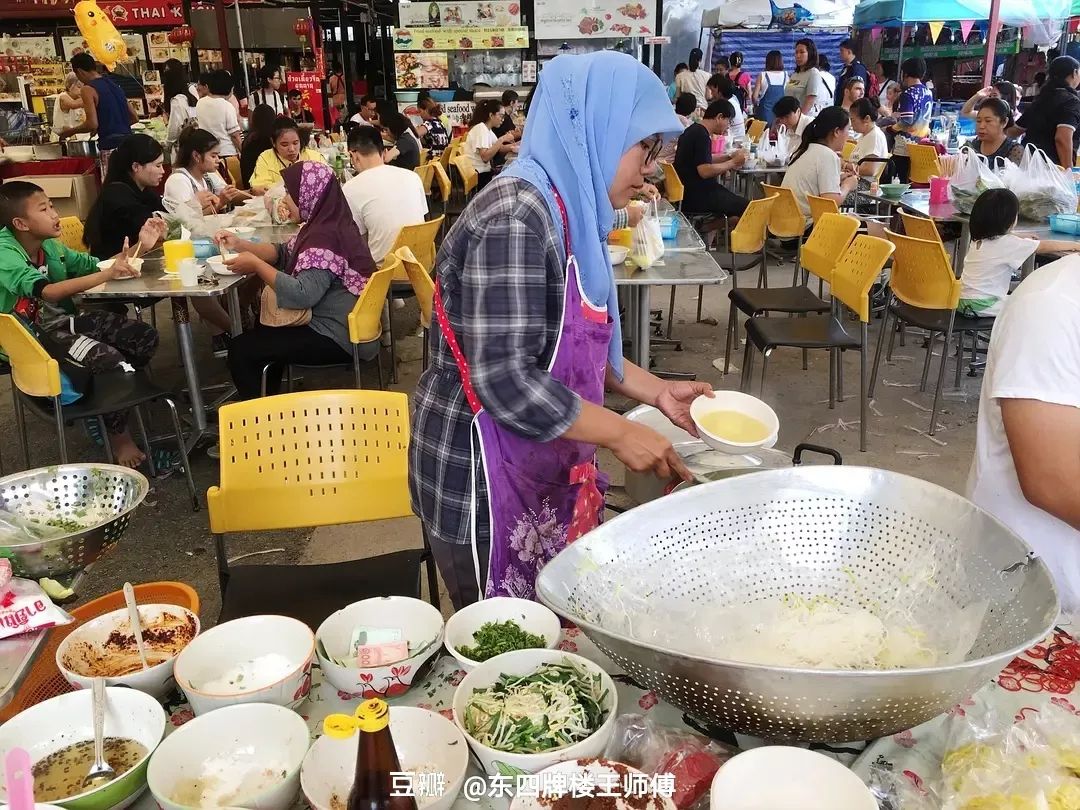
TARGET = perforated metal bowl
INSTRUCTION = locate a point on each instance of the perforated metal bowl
(838, 532)
(98, 497)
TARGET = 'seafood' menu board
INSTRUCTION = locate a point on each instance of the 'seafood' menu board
(460, 39)
(465, 13)
(598, 19)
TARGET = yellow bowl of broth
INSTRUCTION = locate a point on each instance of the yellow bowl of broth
(733, 422)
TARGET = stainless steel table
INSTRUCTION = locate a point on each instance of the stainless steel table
(758, 175)
(918, 202)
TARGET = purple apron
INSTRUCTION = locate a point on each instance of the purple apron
(541, 495)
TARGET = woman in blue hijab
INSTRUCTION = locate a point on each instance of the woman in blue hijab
(510, 412)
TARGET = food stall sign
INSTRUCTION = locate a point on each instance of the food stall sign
(459, 13)
(460, 39)
(309, 83)
(599, 19)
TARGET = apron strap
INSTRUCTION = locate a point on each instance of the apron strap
(448, 331)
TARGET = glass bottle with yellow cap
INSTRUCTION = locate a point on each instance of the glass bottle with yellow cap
(373, 785)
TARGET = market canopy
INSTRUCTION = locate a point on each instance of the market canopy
(870, 13)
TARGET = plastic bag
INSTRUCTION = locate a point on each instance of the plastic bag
(1041, 186)
(654, 749)
(647, 241)
(774, 154)
(274, 199)
(25, 607)
(969, 177)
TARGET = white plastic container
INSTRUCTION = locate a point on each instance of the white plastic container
(780, 777)
(743, 403)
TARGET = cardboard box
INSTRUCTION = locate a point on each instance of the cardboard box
(71, 194)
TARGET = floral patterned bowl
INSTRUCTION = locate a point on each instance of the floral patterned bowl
(420, 624)
(256, 659)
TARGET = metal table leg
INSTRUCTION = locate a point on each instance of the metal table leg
(234, 310)
(641, 326)
(182, 320)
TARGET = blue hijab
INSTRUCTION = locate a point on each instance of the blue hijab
(583, 116)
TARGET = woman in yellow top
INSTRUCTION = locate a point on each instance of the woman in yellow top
(285, 152)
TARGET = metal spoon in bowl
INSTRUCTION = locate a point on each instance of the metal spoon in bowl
(133, 620)
(101, 772)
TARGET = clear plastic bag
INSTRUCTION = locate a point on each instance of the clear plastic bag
(1041, 186)
(647, 240)
(970, 176)
(25, 608)
(654, 749)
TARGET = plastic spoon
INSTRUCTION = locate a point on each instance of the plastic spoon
(101, 771)
(133, 619)
(19, 780)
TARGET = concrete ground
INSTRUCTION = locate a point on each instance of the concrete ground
(166, 540)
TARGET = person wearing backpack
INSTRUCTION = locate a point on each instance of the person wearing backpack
(769, 87)
(740, 78)
(853, 69)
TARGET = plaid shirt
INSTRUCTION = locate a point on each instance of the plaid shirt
(501, 273)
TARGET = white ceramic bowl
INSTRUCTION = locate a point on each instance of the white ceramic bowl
(585, 773)
(735, 401)
(136, 264)
(232, 744)
(276, 652)
(810, 781)
(423, 739)
(88, 641)
(61, 721)
(420, 623)
(217, 264)
(530, 616)
(617, 254)
(525, 662)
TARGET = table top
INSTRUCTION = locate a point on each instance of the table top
(763, 170)
(687, 240)
(918, 202)
(674, 269)
(156, 283)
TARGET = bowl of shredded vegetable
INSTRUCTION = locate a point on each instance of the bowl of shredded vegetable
(525, 710)
(499, 625)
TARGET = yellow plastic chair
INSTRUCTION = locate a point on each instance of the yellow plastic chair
(821, 205)
(423, 286)
(427, 176)
(923, 292)
(35, 385)
(754, 129)
(71, 233)
(674, 191)
(924, 163)
(318, 458)
(920, 227)
(450, 152)
(845, 153)
(232, 166)
(469, 176)
(786, 220)
(853, 276)
(420, 239)
(424, 155)
(443, 180)
(823, 249)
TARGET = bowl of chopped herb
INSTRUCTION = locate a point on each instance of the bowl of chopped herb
(495, 626)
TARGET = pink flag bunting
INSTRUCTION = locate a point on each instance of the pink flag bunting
(875, 33)
(965, 28)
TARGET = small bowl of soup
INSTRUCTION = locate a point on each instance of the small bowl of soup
(733, 422)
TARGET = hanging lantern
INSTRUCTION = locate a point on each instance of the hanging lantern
(302, 28)
(175, 36)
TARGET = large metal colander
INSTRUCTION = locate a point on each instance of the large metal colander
(85, 508)
(857, 536)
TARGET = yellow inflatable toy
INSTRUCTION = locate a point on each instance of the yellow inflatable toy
(105, 42)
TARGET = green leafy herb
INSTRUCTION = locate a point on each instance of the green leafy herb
(495, 638)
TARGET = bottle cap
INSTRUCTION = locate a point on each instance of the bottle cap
(370, 716)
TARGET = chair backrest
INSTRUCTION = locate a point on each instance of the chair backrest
(924, 163)
(71, 233)
(786, 219)
(443, 179)
(831, 236)
(424, 153)
(450, 152)
(423, 284)
(427, 175)
(749, 235)
(919, 227)
(849, 148)
(821, 205)
(232, 166)
(921, 275)
(365, 319)
(469, 177)
(881, 166)
(673, 185)
(316, 458)
(856, 272)
(755, 128)
(420, 239)
(33, 371)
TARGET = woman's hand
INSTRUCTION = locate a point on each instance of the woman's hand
(642, 449)
(152, 232)
(207, 199)
(649, 192)
(509, 137)
(245, 264)
(231, 194)
(634, 215)
(230, 241)
(674, 402)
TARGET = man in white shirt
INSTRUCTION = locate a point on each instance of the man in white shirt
(368, 114)
(383, 198)
(217, 116)
(1027, 448)
(788, 111)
